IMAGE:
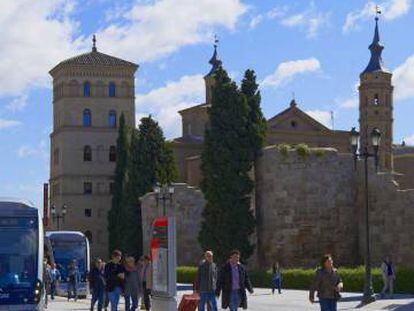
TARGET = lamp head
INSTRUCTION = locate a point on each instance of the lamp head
(354, 139)
(53, 209)
(64, 209)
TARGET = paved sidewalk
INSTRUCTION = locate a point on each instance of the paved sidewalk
(289, 300)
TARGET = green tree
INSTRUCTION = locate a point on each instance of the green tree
(117, 212)
(150, 161)
(228, 221)
(257, 124)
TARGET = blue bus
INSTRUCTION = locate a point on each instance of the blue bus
(21, 256)
(68, 246)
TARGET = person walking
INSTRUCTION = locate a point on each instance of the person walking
(276, 278)
(146, 279)
(388, 275)
(73, 280)
(233, 282)
(54, 279)
(97, 284)
(207, 282)
(327, 284)
(46, 280)
(114, 276)
(132, 284)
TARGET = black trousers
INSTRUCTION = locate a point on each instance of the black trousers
(147, 293)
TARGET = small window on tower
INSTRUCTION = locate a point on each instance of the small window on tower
(87, 153)
(87, 118)
(112, 89)
(376, 100)
(293, 124)
(112, 154)
(88, 212)
(87, 188)
(87, 89)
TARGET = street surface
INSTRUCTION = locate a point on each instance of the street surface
(262, 300)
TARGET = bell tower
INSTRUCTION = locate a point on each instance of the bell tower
(376, 103)
(209, 78)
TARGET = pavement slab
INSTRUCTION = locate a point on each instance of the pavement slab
(263, 300)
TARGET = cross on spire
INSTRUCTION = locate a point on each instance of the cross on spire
(377, 12)
(214, 61)
(94, 49)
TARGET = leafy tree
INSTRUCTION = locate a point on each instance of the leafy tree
(117, 211)
(228, 221)
(151, 160)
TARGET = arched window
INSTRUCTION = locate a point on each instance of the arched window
(88, 234)
(376, 100)
(87, 153)
(87, 117)
(112, 89)
(112, 118)
(87, 89)
(112, 154)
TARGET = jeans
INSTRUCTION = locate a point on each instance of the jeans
(72, 289)
(388, 285)
(277, 283)
(114, 298)
(52, 289)
(234, 300)
(327, 304)
(134, 299)
(147, 293)
(98, 295)
(207, 298)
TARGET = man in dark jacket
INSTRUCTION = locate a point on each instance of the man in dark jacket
(97, 284)
(233, 282)
(207, 281)
(114, 277)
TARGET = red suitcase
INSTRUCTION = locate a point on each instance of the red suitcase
(189, 302)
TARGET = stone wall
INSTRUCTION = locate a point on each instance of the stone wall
(306, 207)
(188, 204)
(391, 220)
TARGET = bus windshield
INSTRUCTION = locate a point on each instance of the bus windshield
(18, 252)
(65, 250)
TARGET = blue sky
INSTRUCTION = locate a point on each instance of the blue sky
(315, 49)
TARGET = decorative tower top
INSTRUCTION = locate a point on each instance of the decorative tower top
(376, 63)
(214, 61)
(94, 49)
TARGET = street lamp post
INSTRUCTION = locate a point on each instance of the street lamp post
(56, 216)
(365, 154)
(164, 194)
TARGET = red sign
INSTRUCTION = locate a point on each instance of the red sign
(45, 205)
(159, 236)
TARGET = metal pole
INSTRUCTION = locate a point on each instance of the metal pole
(58, 222)
(368, 291)
(163, 205)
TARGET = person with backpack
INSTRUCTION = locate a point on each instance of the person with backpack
(73, 280)
(114, 276)
(276, 278)
(388, 276)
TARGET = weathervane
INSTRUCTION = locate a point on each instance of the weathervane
(377, 12)
(216, 41)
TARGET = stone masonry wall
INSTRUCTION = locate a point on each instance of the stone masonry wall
(306, 207)
(188, 204)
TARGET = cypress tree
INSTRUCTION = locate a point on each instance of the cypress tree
(151, 161)
(117, 211)
(228, 221)
(257, 124)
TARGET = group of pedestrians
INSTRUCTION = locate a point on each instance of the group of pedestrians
(51, 277)
(231, 281)
(130, 278)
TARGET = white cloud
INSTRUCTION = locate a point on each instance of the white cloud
(409, 140)
(286, 71)
(35, 35)
(153, 30)
(8, 123)
(349, 103)
(165, 102)
(403, 80)
(324, 117)
(18, 103)
(309, 20)
(391, 9)
(40, 151)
